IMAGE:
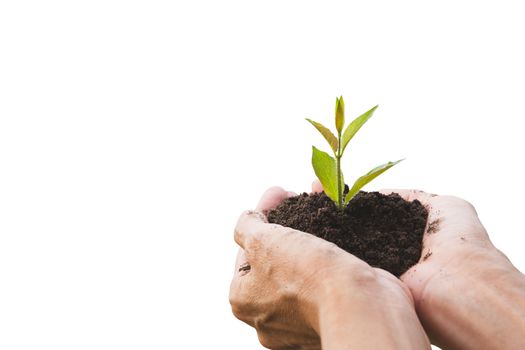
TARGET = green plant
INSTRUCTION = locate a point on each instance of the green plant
(328, 168)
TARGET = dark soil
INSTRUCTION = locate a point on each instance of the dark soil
(384, 230)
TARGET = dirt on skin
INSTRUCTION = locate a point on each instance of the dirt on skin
(384, 230)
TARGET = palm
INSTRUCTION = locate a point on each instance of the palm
(453, 234)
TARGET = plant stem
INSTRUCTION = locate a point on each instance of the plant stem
(339, 177)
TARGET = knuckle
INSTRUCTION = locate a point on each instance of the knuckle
(244, 215)
(233, 295)
(363, 274)
(331, 251)
(254, 214)
(285, 234)
(267, 339)
(460, 202)
(266, 336)
(270, 339)
(450, 198)
(239, 313)
(238, 294)
(265, 236)
(242, 311)
(332, 248)
(234, 298)
(236, 310)
(469, 205)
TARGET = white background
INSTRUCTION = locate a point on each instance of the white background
(133, 133)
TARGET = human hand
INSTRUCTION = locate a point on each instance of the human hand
(257, 297)
(453, 283)
(294, 287)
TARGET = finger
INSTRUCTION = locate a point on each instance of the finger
(316, 186)
(272, 198)
(241, 299)
(410, 195)
(272, 336)
(452, 223)
(454, 217)
(250, 224)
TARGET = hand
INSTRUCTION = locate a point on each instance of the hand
(257, 295)
(294, 287)
(453, 283)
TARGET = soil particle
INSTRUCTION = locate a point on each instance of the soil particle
(433, 227)
(384, 230)
(427, 255)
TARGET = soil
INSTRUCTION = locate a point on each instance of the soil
(384, 230)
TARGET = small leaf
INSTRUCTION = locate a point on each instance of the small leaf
(363, 180)
(325, 169)
(339, 114)
(332, 140)
(354, 127)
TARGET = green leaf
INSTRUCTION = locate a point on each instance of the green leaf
(339, 114)
(332, 140)
(363, 180)
(354, 127)
(325, 169)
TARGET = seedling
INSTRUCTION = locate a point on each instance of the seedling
(328, 168)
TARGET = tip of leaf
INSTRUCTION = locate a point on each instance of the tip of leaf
(399, 161)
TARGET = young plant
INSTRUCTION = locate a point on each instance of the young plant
(328, 168)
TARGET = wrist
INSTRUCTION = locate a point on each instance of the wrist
(469, 301)
(333, 288)
(368, 309)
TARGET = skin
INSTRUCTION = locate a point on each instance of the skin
(301, 292)
(467, 293)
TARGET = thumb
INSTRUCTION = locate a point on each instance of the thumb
(250, 225)
(272, 198)
(317, 186)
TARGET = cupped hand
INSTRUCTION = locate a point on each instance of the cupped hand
(457, 252)
(453, 237)
(284, 277)
(273, 287)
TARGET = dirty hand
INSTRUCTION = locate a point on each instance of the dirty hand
(462, 282)
(301, 292)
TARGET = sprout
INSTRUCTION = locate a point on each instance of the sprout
(328, 168)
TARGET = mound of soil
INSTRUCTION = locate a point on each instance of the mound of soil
(384, 230)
